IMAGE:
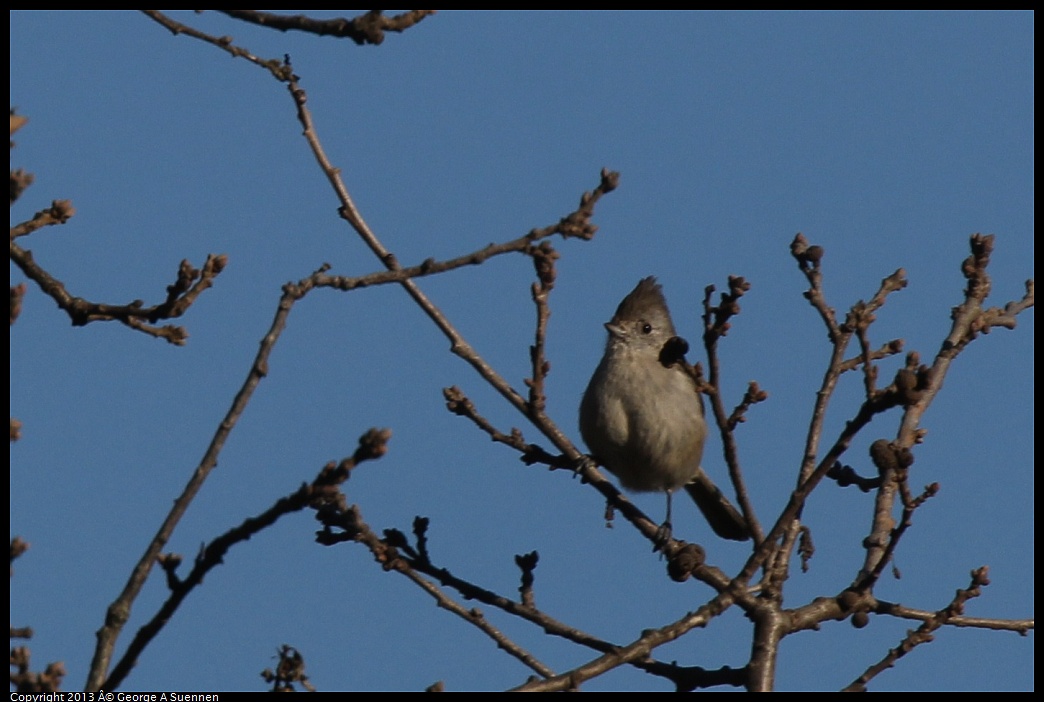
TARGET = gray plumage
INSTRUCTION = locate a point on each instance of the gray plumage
(643, 420)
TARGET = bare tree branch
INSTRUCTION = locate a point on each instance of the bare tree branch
(912, 388)
(923, 634)
(322, 491)
(368, 28)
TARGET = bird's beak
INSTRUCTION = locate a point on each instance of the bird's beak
(615, 329)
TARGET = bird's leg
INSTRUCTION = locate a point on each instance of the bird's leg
(663, 534)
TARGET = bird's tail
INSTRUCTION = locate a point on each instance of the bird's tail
(725, 520)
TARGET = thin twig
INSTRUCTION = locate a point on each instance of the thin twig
(60, 212)
(321, 490)
(188, 286)
(368, 28)
(1020, 626)
(916, 386)
(279, 69)
(924, 633)
(716, 325)
(544, 257)
(632, 653)
(119, 611)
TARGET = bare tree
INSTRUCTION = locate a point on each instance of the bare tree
(782, 542)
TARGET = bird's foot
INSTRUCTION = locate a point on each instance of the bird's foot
(582, 464)
(663, 536)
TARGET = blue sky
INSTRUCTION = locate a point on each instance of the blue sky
(888, 138)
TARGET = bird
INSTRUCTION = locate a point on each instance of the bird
(641, 415)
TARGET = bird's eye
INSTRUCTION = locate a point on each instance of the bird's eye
(646, 328)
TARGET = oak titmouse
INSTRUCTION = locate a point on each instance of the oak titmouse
(642, 416)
